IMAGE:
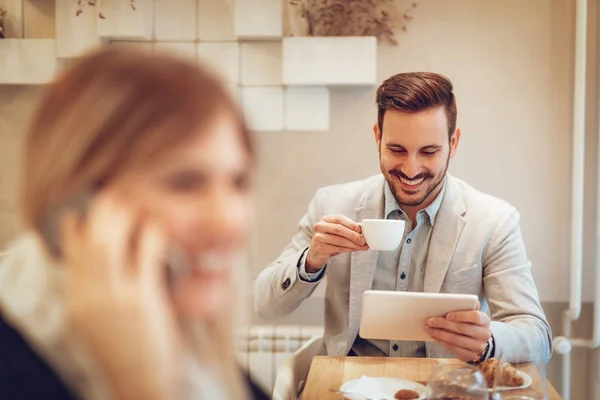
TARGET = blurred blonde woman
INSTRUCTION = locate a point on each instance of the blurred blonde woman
(136, 195)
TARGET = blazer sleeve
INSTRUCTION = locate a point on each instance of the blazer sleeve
(521, 332)
(279, 290)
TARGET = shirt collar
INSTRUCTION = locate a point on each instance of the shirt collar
(391, 205)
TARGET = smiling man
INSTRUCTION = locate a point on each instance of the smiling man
(456, 240)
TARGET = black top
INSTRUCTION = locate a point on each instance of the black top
(25, 376)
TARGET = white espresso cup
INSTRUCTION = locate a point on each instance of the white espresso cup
(383, 234)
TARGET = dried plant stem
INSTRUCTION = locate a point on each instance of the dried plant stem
(352, 17)
(3, 14)
(81, 4)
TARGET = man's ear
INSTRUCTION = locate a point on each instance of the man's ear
(377, 134)
(454, 142)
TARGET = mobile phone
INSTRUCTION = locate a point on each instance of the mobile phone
(177, 260)
(51, 226)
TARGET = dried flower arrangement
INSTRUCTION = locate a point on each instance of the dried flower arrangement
(82, 3)
(3, 13)
(352, 17)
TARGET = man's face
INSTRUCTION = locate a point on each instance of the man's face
(414, 153)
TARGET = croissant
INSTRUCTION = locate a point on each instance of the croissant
(509, 374)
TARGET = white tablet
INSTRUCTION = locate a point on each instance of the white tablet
(390, 315)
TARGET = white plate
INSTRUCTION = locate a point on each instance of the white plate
(525, 385)
(377, 387)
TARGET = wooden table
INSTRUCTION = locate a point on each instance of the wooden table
(331, 372)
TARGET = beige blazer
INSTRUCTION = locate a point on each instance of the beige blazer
(476, 247)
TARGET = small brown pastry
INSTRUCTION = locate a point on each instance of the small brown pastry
(509, 374)
(406, 394)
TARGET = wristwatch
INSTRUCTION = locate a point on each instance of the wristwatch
(484, 354)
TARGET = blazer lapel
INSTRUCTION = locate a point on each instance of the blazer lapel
(363, 263)
(448, 226)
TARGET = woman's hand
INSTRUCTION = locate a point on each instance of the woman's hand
(117, 299)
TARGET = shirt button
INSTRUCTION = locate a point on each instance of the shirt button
(286, 284)
(403, 276)
(408, 240)
(395, 347)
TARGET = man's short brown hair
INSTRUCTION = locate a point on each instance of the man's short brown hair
(413, 92)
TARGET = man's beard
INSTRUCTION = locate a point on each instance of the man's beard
(393, 176)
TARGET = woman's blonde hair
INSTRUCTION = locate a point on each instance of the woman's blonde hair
(111, 110)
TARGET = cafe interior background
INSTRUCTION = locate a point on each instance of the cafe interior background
(526, 76)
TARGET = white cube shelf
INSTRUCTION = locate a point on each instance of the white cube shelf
(145, 46)
(223, 57)
(236, 93)
(307, 108)
(75, 34)
(261, 63)
(175, 20)
(263, 108)
(123, 22)
(258, 19)
(215, 20)
(27, 61)
(186, 50)
(332, 61)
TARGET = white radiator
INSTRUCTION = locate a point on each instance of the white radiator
(262, 349)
